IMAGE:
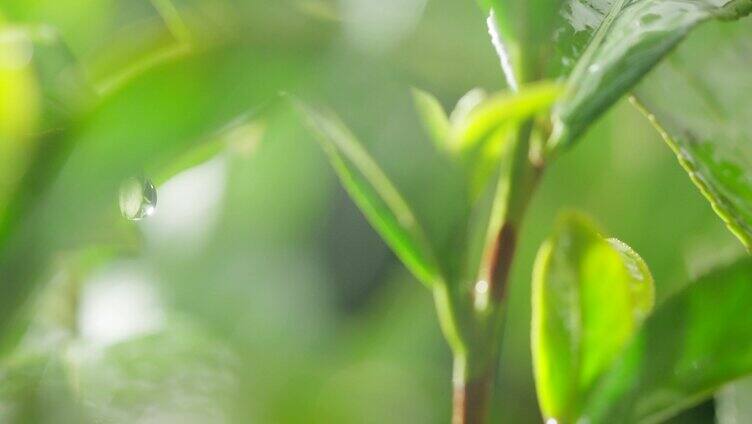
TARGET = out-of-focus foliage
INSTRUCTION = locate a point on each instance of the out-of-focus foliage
(258, 257)
(733, 402)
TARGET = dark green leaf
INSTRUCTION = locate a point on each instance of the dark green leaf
(692, 344)
(589, 297)
(699, 101)
(374, 194)
(630, 41)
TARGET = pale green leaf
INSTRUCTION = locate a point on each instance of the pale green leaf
(506, 108)
(433, 117)
(589, 297)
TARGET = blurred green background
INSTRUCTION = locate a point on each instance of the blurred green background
(257, 292)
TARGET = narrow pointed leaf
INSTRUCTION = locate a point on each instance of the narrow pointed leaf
(589, 297)
(631, 40)
(699, 101)
(505, 108)
(374, 194)
(434, 118)
(692, 344)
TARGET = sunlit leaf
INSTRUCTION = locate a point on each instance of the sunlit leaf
(589, 297)
(372, 191)
(505, 108)
(630, 41)
(691, 345)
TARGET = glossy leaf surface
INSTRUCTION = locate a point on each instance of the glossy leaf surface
(630, 41)
(589, 297)
(708, 120)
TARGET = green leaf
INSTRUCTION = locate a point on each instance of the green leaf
(434, 118)
(699, 102)
(527, 29)
(41, 88)
(505, 108)
(630, 41)
(692, 344)
(589, 297)
(374, 194)
(70, 195)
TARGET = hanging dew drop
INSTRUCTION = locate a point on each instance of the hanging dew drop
(138, 198)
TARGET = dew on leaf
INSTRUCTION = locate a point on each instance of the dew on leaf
(138, 198)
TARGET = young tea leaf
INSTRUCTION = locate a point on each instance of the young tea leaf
(699, 101)
(434, 118)
(504, 108)
(589, 297)
(374, 194)
(691, 345)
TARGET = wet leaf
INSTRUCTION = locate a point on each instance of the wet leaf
(630, 41)
(708, 120)
(590, 296)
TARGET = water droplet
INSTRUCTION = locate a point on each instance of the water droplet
(649, 18)
(594, 68)
(138, 198)
(481, 294)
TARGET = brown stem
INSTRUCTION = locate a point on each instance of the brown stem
(501, 262)
(470, 402)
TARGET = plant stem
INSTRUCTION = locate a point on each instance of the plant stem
(470, 400)
(479, 338)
